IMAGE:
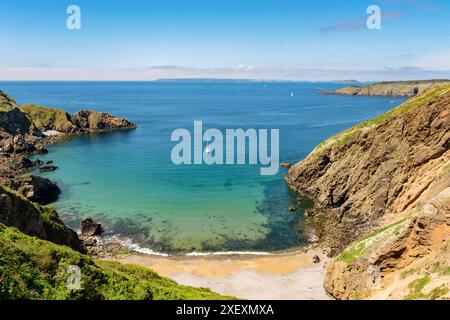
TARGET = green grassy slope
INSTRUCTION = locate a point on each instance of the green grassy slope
(6, 102)
(31, 268)
(45, 118)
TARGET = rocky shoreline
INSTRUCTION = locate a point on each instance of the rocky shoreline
(26, 130)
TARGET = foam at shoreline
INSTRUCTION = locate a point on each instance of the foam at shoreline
(128, 243)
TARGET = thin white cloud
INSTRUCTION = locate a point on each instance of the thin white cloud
(244, 67)
(435, 61)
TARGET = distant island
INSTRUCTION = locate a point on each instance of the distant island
(215, 80)
(389, 88)
(202, 80)
(346, 81)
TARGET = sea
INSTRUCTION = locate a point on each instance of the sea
(127, 181)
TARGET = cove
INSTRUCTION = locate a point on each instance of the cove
(127, 181)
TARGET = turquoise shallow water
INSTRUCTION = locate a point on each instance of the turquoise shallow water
(127, 181)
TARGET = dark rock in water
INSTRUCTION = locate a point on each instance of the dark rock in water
(49, 162)
(41, 151)
(292, 208)
(37, 162)
(286, 164)
(228, 183)
(316, 259)
(90, 228)
(48, 168)
(36, 189)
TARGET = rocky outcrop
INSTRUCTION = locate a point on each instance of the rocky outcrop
(395, 88)
(28, 128)
(47, 168)
(379, 169)
(36, 189)
(50, 119)
(92, 121)
(17, 144)
(34, 220)
(15, 127)
(22, 131)
(90, 228)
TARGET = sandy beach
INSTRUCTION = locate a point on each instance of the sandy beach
(291, 276)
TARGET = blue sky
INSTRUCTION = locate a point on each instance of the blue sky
(264, 39)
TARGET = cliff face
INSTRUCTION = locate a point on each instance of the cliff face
(378, 169)
(35, 220)
(377, 173)
(409, 259)
(12, 119)
(397, 88)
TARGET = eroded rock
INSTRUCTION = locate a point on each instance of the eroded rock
(90, 228)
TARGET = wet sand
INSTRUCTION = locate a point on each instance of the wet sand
(290, 276)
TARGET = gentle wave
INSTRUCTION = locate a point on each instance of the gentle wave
(128, 243)
(228, 253)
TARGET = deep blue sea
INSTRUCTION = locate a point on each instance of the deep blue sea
(127, 181)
